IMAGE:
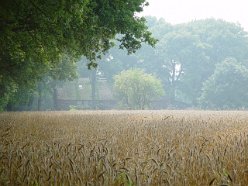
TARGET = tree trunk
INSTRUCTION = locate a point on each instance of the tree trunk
(93, 88)
(55, 98)
(30, 102)
(39, 102)
(173, 83)
(9, 107)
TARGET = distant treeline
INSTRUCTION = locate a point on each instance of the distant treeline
(201, 64)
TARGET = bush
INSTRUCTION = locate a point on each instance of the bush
(135, 89)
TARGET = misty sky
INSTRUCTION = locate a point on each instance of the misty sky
(179, 11)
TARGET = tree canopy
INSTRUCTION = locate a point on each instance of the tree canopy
(136, 89)
(36, 35)
(185, 56)
(227, 87)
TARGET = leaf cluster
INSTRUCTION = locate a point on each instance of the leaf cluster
(136, 88)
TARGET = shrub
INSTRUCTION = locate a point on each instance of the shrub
(136, 89)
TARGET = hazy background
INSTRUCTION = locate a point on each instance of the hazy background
(181, 11)
(200, 61)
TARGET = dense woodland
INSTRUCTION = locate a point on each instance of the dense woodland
(202, 64)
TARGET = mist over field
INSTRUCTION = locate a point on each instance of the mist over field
(123, 93)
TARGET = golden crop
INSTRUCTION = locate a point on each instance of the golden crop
(124, 148)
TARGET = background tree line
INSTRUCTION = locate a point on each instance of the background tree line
(202, 64)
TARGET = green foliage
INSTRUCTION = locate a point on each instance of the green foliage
(37, 35)
(24, 95)
(123, 179)
(136, 89)
(7, 91)
(227, 87)
(196, 47)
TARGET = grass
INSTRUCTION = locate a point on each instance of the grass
(124, 148)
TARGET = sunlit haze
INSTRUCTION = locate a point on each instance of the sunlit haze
(180, 11)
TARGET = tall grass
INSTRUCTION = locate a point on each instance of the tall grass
(124, 148)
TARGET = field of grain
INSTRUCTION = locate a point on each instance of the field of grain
(124, 148)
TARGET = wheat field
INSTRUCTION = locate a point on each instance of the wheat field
(124, 148)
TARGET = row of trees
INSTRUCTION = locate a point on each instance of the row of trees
(202, 64)
(226, 88)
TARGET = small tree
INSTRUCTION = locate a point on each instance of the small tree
(227, 87)
(136, 89)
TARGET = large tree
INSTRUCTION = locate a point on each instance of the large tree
(227, 87)
(187, 54)
(196, 48)
(35, 35)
